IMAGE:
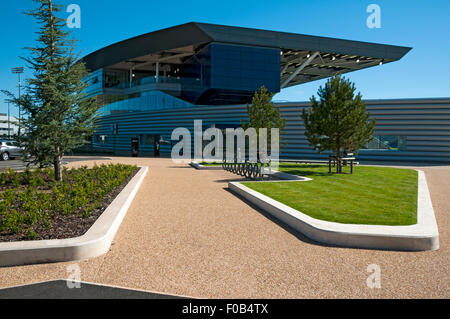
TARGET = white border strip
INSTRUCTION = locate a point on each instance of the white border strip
(95, 242)
(422, 236)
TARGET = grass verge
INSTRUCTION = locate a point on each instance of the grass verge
(210, 163)
(371, 195)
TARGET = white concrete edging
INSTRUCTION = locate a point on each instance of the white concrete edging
(200, 166)
(95, 242)
(418, 237)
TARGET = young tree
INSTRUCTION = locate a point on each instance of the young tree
(58, 116)
(338, 121)
(262, 113)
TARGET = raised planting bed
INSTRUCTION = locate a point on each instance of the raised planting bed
(99, 236)
(35, 207)
(379, 208)
(372, 195)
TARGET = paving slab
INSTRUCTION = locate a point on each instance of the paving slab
(67, 289)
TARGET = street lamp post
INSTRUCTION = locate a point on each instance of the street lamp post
(18, 70)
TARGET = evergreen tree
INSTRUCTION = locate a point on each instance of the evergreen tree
(58, 116)
(262, 113)
(338, 121)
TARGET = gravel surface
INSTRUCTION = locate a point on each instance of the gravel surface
(186, 234)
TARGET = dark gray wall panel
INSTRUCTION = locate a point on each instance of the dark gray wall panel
(424, 122)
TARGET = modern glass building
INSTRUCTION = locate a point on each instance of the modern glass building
(148, 85)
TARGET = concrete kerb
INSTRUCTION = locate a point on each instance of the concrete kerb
(95, 242)
(196, 165)
(418, 237)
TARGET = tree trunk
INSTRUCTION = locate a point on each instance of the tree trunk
(338, 160)
(57, 167)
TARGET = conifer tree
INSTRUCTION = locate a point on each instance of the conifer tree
(338, 121)
(58, 116)
(262, 113)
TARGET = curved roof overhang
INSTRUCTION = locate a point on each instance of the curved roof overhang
(304, 58)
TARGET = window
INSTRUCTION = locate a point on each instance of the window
(148, 139)
(16, 144)
(117, 79)
(101, 139)
(387, 143)
(236, 67)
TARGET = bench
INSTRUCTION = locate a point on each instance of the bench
(341, 161)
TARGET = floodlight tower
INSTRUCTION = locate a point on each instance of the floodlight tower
(18, 70)
(9, 121)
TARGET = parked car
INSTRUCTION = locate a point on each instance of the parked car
(10, 149)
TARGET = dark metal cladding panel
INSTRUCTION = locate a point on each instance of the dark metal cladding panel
(301, 42)
(422, 143)
(166, 39)
(196, 33)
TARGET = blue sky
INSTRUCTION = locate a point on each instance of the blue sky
(423, 25)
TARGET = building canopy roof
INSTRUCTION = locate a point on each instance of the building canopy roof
(304, 58)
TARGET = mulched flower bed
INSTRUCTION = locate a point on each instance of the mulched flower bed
(68, 226)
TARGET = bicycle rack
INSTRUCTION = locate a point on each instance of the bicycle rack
(252, 170)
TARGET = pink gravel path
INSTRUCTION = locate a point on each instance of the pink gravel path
(186, 234)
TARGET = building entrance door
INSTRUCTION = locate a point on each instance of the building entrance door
(134, 146)
(156, 146)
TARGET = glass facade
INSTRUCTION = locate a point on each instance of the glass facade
(230, 74)
(116, 79)
(218, 74)
(140, 102)
(245, 68)
(149, 139)
(95, 83)
(386, 143)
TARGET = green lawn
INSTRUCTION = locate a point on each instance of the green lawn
(210, 164)
(372, 195)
